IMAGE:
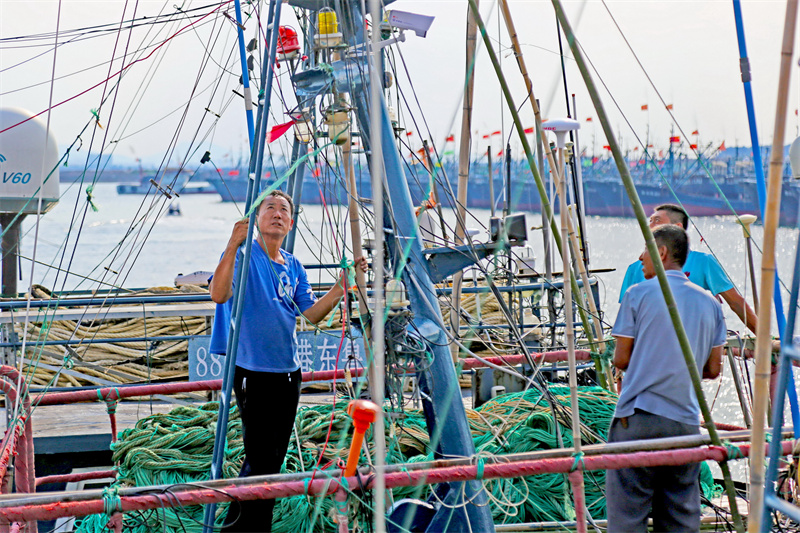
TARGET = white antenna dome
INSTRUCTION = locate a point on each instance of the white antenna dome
(28, 161)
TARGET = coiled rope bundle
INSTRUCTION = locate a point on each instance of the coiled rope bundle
(176, 448)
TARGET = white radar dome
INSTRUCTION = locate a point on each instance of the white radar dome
(28, 161)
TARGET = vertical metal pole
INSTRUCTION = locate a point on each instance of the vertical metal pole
(784, 373)
(507, 209)
(248, 97)
(570, 332)
(11, 224)
(744, 65)
(578, 166)
(490, 170)
(295, 188)
(255, 167)
(377, 130)
(768, 277)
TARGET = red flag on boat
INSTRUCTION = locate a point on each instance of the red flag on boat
(644, 107)
(409, 133)
(498, 132)
(693, 146)
(635, 148)
(486, 136)
(607, 147)
(669, 106)
(450, 138)
(675, 139)
(499, 154)
(721, 146)
(695, 132)
(529, 130)
(588, 119)
(277, 131)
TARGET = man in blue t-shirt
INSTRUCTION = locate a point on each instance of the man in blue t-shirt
(657, 398)
(267, 378)
(701, 268)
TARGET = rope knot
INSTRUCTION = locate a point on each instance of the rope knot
(111, 500)
(89, 198)
(111, 401)
(479, 464)
(733, 452)
(578, 463)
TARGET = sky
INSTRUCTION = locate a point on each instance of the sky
(175, 93)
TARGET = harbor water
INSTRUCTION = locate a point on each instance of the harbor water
(129, 241)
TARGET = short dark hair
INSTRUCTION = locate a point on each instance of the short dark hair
(677, 214)
(277, 193)
(675, 240)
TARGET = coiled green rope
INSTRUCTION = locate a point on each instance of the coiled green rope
(176, 447)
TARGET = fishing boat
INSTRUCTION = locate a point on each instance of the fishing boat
(442, 305)
(720, 186)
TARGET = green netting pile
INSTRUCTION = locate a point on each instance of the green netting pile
(176, 448)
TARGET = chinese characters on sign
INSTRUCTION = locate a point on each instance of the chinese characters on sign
(315, 351)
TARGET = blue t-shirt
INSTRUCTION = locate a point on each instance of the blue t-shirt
(657, 380)
(275, 295)
(701, 268)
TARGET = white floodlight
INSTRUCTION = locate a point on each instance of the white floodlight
(403, 20)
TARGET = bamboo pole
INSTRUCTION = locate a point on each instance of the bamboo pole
(768, 272)
(558, 176)
(512, 108)
(358, 251)
(465, 147)
(652, 249)
(427, 162)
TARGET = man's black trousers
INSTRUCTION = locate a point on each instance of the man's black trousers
(268, 405)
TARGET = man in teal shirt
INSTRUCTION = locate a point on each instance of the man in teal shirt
(702, 269)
